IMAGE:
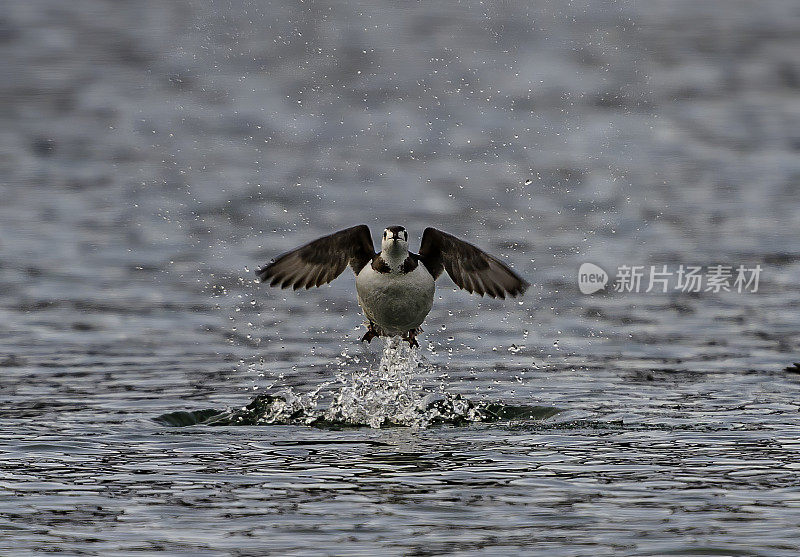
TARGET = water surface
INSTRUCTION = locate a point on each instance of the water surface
(153, 154)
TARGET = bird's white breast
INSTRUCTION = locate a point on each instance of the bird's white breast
(395, 302)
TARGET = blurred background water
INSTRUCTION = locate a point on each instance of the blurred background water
(152, 154)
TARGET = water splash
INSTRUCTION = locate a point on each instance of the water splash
(387, 395)
(390, 395)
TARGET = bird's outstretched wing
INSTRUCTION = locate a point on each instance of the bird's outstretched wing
(320, 261)
(471, 268)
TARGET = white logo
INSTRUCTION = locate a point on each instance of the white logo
(591, 278)
(717, 279)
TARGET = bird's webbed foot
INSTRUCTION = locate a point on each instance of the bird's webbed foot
(370, 334)
(411, 338)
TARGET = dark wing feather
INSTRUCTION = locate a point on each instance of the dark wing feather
(320, 261)
(471, 268)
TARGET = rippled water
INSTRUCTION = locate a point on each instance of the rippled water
(154, 399)
(389, 395)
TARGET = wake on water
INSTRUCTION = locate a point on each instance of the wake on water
(387, 396)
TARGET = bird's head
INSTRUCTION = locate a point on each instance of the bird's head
(395, 240)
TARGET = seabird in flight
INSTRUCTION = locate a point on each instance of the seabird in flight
(394, 287)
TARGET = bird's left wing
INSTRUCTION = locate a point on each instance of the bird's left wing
(470, 267)
(320, 261)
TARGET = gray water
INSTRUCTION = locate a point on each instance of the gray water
(154, 399)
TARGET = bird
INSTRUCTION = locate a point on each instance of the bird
(394, 287)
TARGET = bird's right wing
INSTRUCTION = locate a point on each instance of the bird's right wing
(320, 261)
(470, 267)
